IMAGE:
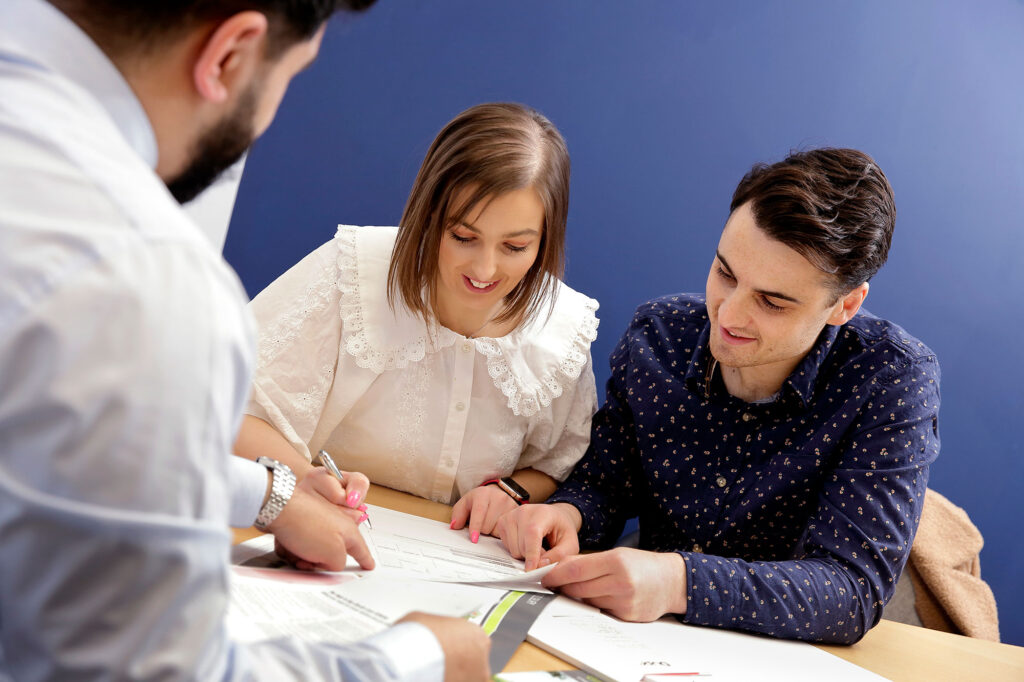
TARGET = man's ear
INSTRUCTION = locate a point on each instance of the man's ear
(233, 50)
(846, 307)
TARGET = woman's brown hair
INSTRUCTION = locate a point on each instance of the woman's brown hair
(487, 150)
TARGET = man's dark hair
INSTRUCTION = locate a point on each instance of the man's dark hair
(123, 27)
(832, 206)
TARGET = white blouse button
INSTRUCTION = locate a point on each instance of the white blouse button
(466, 347)
(460, 406)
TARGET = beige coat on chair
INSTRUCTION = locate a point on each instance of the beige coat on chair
(945, 568)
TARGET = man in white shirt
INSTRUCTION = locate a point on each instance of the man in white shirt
(126, 354)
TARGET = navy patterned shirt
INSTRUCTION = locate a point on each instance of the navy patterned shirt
(794, 516)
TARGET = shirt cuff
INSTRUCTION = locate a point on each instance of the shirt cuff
(247, 485)
(713, 596)
(586, 535)
(413, 650)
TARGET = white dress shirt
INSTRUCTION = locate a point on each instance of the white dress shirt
(414, 405)
(125, 360)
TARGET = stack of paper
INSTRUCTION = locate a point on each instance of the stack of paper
(628, 652)
(476, 581)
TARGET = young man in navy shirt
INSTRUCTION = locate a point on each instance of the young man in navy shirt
(773, 438)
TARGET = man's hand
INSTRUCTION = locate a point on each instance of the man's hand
(315, 530)
(465, 646)
(629, 583)
(483, 506)
(524, 530)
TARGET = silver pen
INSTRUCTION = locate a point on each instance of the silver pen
(329, 464)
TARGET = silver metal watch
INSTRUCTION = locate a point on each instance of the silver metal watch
(281, 490)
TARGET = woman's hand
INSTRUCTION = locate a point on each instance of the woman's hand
(482, 506)
(355, 487)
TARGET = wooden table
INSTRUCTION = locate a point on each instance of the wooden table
(902, 653)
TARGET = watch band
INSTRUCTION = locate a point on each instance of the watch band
(281, 490)
(511, 488)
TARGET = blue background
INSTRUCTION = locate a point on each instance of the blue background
(665, 105)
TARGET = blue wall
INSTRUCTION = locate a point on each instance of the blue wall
(665, 105)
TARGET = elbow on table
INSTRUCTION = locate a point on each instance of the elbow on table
(865, 611)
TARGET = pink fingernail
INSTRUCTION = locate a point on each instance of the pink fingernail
(353, 498)
(452, 525)
(545, 562)
(474, 536)
(362, 518)
(361, 507)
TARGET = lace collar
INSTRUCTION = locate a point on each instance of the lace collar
(531, 366)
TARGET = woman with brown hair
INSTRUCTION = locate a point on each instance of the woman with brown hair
(444, 357)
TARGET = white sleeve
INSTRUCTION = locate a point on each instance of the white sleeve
(405, 652)
(247, 486)
(134, 595)
(299, 329)
(555, 448)
(117, 414)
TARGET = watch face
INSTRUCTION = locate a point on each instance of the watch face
(519, 490)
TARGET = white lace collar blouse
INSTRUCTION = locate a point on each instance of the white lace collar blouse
(416, 406)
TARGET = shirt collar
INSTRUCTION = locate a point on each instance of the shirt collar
(803, 378)
(37, 33)
(801, 381)
(701, 370)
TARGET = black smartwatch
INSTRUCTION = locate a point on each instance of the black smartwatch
(517, 492)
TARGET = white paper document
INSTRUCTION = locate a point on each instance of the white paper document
(270, 599)
(411, 547)
(266, 604)
(404, 544)
(626, 652)
(470, 580)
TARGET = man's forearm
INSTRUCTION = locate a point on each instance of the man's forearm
(816, 600)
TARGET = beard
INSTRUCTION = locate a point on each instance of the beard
(217, 149)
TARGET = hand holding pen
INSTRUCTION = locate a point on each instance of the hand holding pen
(318, 528)
(356, 494)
